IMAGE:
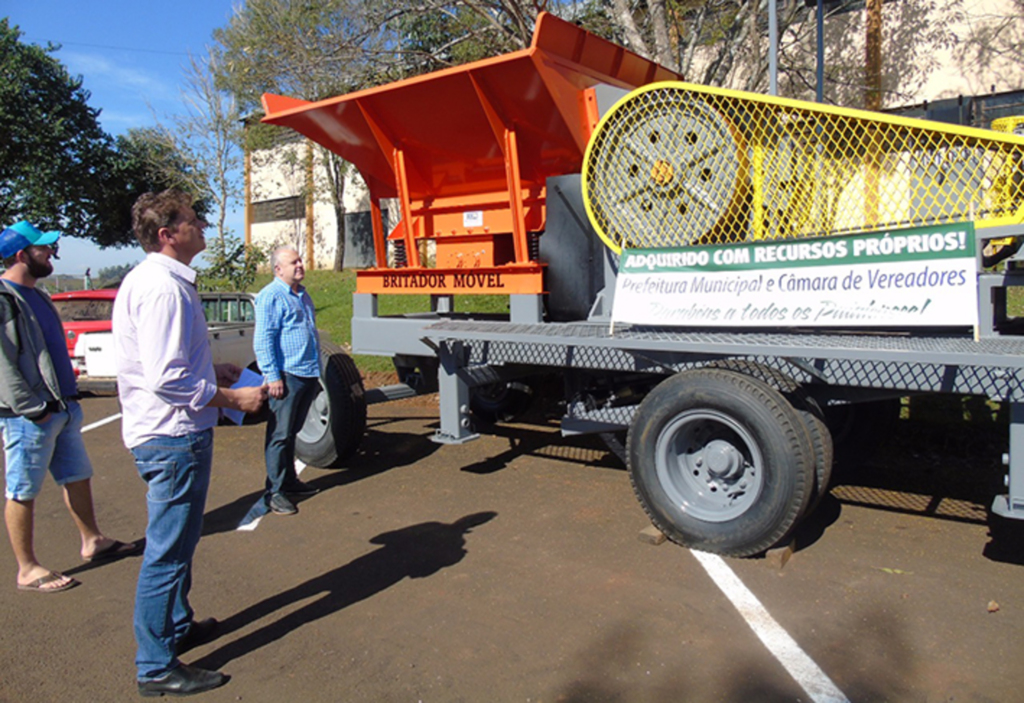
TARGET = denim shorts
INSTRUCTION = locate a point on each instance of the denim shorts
(30, 449)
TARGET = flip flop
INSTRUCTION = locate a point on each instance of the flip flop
(116, 550)
(37, 585)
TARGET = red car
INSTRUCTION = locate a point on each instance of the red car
(84, 311)
(89, 312)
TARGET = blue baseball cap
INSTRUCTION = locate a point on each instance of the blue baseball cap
(21, 235)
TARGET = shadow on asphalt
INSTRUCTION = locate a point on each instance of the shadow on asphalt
(875, 670)
(417, 551)
(378, 452)
(526, 440)
(813, 527)
(1006, 543)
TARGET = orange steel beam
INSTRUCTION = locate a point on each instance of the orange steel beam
(506, 136)
(380, 245)
(412, 251)
(516, 197)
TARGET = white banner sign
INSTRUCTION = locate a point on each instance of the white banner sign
(905, 278)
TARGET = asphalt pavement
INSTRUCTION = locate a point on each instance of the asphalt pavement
(513, 568)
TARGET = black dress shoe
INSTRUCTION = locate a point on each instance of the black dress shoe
(199, 632)
(183, 681)
(300, 490)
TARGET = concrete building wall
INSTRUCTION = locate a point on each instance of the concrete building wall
(279, 207)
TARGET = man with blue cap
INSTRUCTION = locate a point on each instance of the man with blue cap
(39, 413)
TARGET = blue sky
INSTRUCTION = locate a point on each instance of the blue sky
(130, 55)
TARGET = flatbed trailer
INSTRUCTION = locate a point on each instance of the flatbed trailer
(611, 374)
(517, 176)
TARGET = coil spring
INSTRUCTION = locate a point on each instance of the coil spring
(401, 261)
(533, 245)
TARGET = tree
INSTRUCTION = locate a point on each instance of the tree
(914, 35)
(60, 170)
(55, 156)
(111, 276)
(143, 161)
(233, 265)
(199, 150)
(993, 46)
(714, 42)
(309, 50)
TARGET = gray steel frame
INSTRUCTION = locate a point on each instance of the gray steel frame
(896, 363)
(835, 366)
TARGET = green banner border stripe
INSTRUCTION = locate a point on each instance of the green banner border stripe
(749, 262)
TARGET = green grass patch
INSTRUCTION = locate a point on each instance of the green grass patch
(1015, 301)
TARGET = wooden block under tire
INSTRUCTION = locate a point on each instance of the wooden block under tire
(651, 535)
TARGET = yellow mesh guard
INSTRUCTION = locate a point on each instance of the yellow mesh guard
(674, 164)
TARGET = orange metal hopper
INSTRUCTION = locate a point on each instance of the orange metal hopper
(467, 152)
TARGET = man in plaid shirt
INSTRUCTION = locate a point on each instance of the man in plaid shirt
(287, 348)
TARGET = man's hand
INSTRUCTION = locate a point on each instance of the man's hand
(275, 389)
(227, 374)
(250, 398)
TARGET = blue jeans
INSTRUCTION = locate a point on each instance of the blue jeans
(177, 470)
(286, 417)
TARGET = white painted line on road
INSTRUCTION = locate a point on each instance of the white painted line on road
(250, 526)
(101, 423)
(783, 647)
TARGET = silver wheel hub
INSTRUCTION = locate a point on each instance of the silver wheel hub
(709, 465)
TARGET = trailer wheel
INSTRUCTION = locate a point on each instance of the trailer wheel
(336, 421)
(824, 452)
(720, 461)
(810, 413)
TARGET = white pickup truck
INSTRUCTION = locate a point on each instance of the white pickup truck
(336, 421)
(230, 316)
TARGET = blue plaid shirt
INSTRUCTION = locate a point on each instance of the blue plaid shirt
(286, 339)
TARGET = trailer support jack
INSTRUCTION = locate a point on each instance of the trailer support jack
(456, 422)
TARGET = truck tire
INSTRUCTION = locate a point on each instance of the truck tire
(720, 461)
(336, 421)
(810, 413)
(824, 452)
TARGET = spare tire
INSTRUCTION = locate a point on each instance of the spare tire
(336, 422)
